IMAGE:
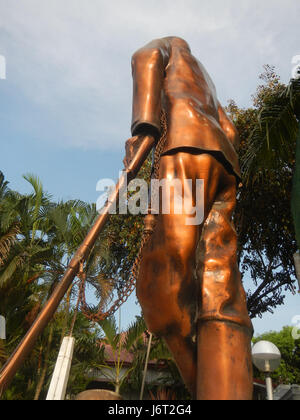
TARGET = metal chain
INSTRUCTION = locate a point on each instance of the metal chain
(160, 145)
(131, 283)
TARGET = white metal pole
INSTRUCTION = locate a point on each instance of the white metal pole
(60, 377)
(269, 387)
(146, 366)
(268, 380)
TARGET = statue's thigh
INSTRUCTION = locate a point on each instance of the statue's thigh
(167, 284)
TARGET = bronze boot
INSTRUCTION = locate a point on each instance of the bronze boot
(224, 370)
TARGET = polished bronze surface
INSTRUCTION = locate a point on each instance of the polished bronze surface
(224, 362)
(189, 285)
(167, 76)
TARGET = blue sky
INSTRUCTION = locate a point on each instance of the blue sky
(65, 106)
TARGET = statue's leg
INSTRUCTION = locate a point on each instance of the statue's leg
(225, 330)
(166, 289)
(167, 285)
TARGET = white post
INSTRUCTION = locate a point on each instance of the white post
(268, 380)
(146, 366)
(2, 328)
(60, 377)
(269, 387)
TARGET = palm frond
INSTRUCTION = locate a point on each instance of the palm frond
(104, 289)
(10, 270)
(134, 332)
(37, 186)
(272, 142)
(160, 351)
(77, 231)
(3, 185)
(37, 202)
(7, 241)
(109, 328)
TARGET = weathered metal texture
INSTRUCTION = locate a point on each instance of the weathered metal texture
(189, 285)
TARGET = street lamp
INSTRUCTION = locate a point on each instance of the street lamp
(266, 357)
(297, 266)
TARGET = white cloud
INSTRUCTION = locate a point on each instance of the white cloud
(71, 58)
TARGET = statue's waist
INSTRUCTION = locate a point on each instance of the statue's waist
(202, 143)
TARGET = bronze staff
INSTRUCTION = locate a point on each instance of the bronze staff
(139, 147)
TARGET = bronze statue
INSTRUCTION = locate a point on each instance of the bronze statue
(189, 285)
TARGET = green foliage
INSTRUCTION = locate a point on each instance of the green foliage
(121, 241)
(134, 343)
(263, 215)
(86, 352)
(120, 342)
(289, 369)
(170, 376)
(37, 240)
(271, 144)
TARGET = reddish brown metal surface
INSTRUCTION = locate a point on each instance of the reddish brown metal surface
(167, 76)
(142, 147)
(189, 284)
(224, 362)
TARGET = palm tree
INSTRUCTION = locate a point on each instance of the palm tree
(273, 142)
(8, 230)
(27, 250)
(134, 342)
(119, 342)
(263, 219)
(24, 252)
(37, 240)
(69, 223)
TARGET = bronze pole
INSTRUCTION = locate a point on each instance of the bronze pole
(15, 361)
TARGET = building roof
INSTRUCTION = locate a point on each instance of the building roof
(127, 357)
